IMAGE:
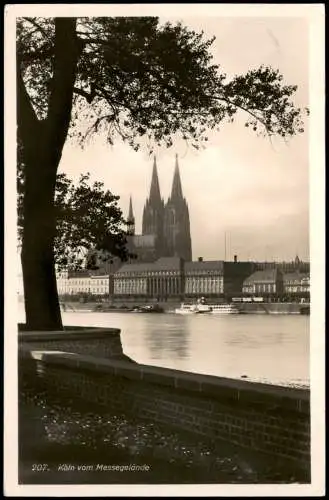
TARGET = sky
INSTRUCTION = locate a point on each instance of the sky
(249, 191)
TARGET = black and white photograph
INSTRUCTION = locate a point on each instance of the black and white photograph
(164, 250)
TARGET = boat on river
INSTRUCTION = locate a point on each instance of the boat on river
(202, 308)
(153, 308)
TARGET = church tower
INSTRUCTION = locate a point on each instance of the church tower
(154, 212)
(131, 219)
(177, 221)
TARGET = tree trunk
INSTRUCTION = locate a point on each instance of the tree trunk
(40, 287)
(42, 145)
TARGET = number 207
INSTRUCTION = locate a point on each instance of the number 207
(40, 467)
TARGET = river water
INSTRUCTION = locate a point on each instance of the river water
(267, 348)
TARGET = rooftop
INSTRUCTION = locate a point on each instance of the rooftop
(204, 265)
(135, 267)
(169, 263)
(83, 273)
(162, 264)
(266, 275)
(295, 276)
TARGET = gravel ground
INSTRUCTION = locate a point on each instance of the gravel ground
(70, 444)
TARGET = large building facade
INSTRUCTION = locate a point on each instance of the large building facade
(161, 279)
(83, 283)
(165, 226)
(204, 278)
(172, 278)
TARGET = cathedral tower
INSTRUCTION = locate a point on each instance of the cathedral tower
(177, 221)
(154, 212)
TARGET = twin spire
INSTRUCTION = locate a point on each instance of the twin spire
(176, 189)
(155, 196)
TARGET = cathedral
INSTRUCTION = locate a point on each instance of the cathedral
(165, 226)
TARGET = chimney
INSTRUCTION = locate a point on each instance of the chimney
(235, 258)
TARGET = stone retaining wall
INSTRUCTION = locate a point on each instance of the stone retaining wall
(264, 418)
(99, 342)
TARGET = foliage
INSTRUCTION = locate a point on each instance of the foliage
(149, 83)
(87, 217)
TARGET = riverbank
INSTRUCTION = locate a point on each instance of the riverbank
(274, 308)
(245, 307)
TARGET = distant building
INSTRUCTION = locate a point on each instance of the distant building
(204, 278)
(176, 230)
(62, 281)
(153, 214)
(131, 219)
(143, 247)
(266, 282)
(165, 226)
(296, 283)
(161, 279)
(131, 279)
(99, 285)
(234, 275)
(78, 282)
(171, 277)
(82, 282)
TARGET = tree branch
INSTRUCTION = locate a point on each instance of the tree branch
(32, 21)
(89, 96)
(243, 108)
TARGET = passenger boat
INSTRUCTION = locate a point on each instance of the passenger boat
(224, 309)
(192, 309)
(202, 308)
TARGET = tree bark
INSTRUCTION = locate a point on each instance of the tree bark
(40, 287)
(42, 145)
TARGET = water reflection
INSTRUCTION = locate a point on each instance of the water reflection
(169, 339)
(255, 341)
(268, 348)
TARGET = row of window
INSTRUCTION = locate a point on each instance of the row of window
(129, 290)
(130, 284)
(125, 281)
(205, 280)
(85, 282)
(158, 274)
(271, 287)
(297, 288)
(68, 289)
(209, 283)
(207, 287)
